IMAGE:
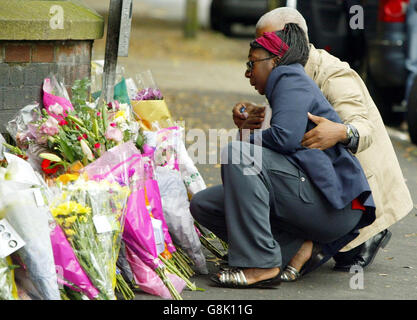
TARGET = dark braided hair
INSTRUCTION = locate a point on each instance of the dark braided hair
(296, 40)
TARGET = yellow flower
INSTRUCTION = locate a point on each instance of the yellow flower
(71, 220)
(65, 178)
(83, 210)
(83, 219)
(120, 114)
(69, 207)
(69, 232)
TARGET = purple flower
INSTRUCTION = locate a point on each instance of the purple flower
(148, 94)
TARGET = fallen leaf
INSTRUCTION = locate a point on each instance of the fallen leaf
(410, 235)
(408, 267)
(383, 274)
(389, 258)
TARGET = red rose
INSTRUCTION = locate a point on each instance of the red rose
(45, 167)
(97, 145)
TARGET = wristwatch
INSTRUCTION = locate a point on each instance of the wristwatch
(349, 133)
(352, 140)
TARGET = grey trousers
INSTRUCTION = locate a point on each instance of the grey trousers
(267, 216)
(411, 49)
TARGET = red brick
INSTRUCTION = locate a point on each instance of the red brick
(67, 49)
(17, 53)
(43, 53)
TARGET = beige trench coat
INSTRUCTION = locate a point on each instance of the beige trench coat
(347, 93)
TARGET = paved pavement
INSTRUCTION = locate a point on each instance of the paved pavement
(202, 79)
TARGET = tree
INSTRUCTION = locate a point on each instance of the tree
(191, 19)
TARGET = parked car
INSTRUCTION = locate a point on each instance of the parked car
(376, 52)
(224, 13)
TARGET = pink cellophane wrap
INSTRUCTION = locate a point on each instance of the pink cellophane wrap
(67, 263)
(138, 233)
(121, 164)
(50, 99)
(154, 197)
(148, 280)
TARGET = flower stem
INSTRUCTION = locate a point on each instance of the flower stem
(123, 288)
(160, 271)
(171, 268)
(206, 243)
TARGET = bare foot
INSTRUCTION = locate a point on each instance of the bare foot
(302, 255)
(253, 275)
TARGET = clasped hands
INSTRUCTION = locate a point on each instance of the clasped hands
(325, 135)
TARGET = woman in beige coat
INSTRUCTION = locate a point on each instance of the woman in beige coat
(364, 133)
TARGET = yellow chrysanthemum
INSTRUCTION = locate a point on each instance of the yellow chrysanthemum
(65, 178)
(83, 219)
(71, 220)
(69, 232)
(69, 207)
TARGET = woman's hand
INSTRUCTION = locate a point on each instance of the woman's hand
(251, 118)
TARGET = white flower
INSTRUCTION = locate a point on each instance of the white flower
(57, 109)
(86, 150)
(50, 156)
(2, 173)
(12, 171)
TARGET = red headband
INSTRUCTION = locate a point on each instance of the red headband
(274, 44)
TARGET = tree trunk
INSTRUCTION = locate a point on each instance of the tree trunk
(272, 4)
(191, 19)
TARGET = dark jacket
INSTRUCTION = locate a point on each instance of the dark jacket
(335, 172)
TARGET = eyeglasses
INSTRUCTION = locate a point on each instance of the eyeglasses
(250, 63)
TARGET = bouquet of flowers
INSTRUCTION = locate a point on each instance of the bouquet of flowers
(65, 132)
(125, 164)
(24, 209)
(70, 273)
(169, 153)
(148, 103)
(91, 214)
(175, 261)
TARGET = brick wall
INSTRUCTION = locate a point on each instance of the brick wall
(25, 64)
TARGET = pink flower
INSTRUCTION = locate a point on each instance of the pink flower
(114, 134)
(63, 123)
(114, 105)
(113, 124)
(56, 109)
(50, 127)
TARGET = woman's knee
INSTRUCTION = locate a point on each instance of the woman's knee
(195, 207)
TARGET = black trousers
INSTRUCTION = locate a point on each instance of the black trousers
(265, 217)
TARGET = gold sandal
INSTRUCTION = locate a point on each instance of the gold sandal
(235, 278)
(290, 274)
